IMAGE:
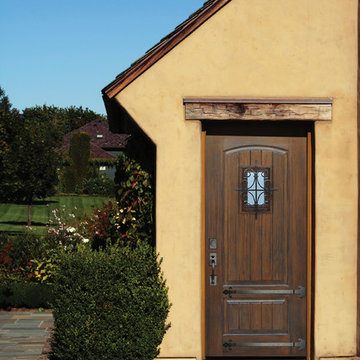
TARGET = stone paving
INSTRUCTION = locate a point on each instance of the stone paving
(24, 334)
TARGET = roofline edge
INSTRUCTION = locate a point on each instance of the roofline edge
(117, 85)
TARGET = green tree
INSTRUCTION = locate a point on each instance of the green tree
(29, 167)
(5, 105)
(28, 160)
(5, 108)
(6, 116)
(79, 168)
(75, 117)
(66, 119)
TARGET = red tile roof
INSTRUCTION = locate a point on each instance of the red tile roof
(101, 139)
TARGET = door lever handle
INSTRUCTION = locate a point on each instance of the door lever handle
(213, 263)
(212, 269)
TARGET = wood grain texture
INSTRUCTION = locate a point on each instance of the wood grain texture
(267, 252)
(257, 111)
(257, 255)
(260, 317)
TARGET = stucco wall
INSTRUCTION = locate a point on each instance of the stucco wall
(257, 48)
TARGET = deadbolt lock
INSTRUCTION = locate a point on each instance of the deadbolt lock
(212, 244)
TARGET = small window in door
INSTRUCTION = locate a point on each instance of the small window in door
(255, 189)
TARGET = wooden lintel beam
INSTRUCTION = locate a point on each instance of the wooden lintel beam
(257, 111)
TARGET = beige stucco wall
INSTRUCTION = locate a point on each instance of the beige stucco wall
(257, 48)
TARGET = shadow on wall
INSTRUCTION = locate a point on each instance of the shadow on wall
(139, 146)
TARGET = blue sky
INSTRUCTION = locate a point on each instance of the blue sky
(63, 52)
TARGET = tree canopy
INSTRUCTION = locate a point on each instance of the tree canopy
(29, 166)
(65, 119)
(28, 142)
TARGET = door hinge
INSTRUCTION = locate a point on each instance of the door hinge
(301, 291)
(300, 345)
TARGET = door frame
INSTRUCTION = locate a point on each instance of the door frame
(305, 129)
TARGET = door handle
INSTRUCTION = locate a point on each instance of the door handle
(213, 263)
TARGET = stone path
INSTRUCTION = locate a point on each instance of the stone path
(24, 334)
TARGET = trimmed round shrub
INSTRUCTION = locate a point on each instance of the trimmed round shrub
(110, 304)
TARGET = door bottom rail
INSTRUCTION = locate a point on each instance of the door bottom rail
(301, 344)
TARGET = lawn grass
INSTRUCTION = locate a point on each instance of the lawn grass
(13, 217)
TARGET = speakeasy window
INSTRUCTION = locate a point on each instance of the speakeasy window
(255, 189)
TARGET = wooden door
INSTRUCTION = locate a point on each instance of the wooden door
(255, 297)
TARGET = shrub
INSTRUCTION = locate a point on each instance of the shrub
(28, 258)
(99, 226)
(109, 304)
(134, 219)
(26, 270)
(18, 294)
(16, 255)
(62, 229)
(97, 185)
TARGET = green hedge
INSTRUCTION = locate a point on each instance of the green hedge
(31, 296)
(97, 185)
(109, 304)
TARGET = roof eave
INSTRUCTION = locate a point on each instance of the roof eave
(121, 82)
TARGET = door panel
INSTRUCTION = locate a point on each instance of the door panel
(256, 210)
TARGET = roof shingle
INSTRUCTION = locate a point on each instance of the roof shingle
(101, 139)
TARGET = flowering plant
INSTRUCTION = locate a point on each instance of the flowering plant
(134, 218)
(20, 256)
(62, 229)
(99, 226)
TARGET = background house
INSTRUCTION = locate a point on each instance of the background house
(104, 145)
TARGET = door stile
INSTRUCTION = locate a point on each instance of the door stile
(309, 244)
(203, 275)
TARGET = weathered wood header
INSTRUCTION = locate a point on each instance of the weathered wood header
(258, 109)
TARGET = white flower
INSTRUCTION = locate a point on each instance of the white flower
(85, 240)
(71, 229)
